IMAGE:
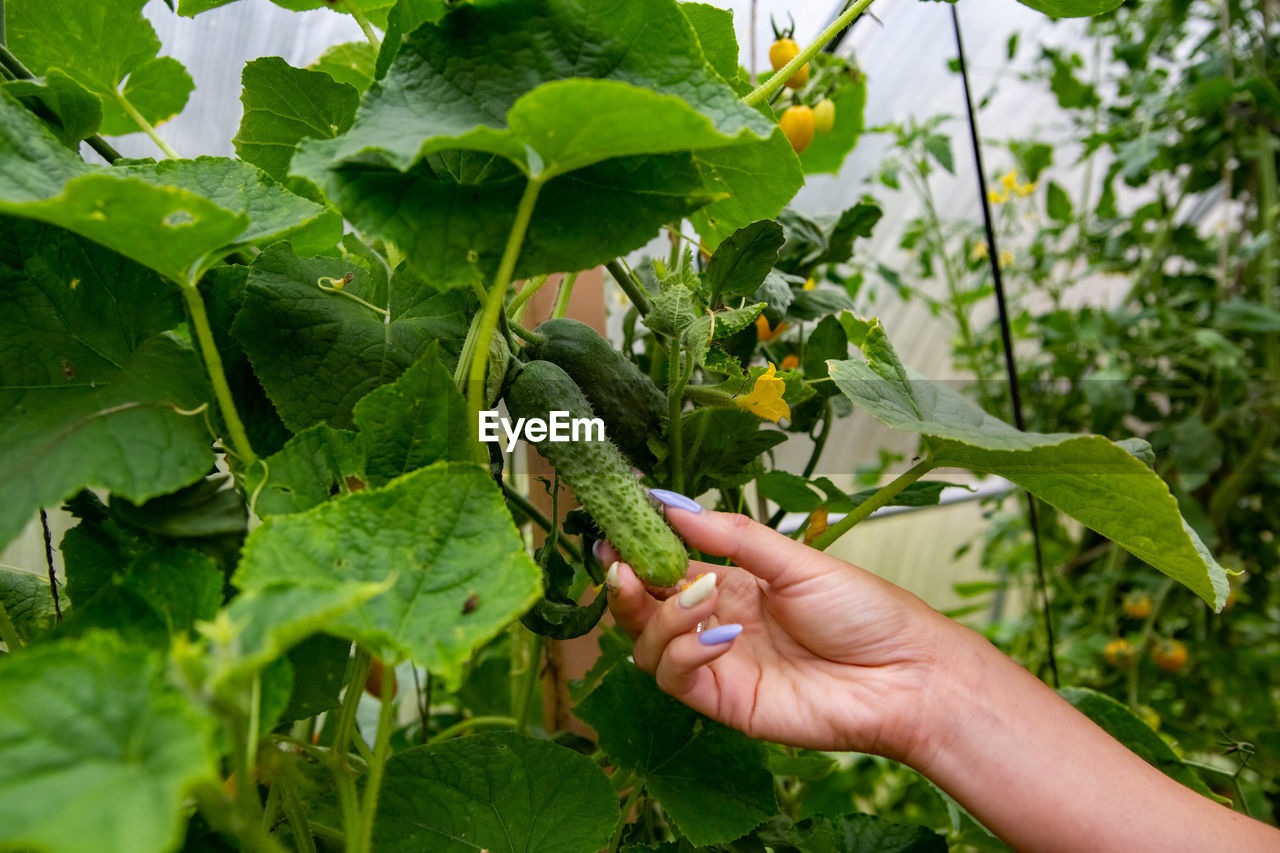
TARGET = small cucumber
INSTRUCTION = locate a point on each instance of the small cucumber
(631, 406)
(600, 477)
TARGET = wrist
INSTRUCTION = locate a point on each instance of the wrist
(952, 698)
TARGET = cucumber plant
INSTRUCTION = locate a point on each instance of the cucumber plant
(255, 384)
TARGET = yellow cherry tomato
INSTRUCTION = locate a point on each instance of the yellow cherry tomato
(1137, 605)
(797, 124)
(1169, 655)
(783, 51)
(824, 115)
(1119, 653)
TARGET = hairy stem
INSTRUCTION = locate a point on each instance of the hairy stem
(373, 784)
(493, 307)
(562, 295)
(531, 286)
(873, 503)
(365, 26)
(217, 375)
(295, 811)
(145, 125)
(634, 289)
(766, 89)
(494, 722)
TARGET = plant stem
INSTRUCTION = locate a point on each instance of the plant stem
(622, 818)
(347, 795)
(536, 516)
(48, 561)
(562, 296)
(373, 783)
(217, 375)
(633, 288)
(365, 26)
(1268, 202)
(8, 632)
(873, 503)
(150, 131)
(1145, 640)
(531, 677)
(474, 722)
(493, 307)
(295, 812)
(526, 334)
(675, 402)
(766, 90)
(360, 665)
(531, 286)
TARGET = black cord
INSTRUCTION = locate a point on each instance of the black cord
(1006, 336)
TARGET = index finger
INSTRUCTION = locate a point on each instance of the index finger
(759, 549)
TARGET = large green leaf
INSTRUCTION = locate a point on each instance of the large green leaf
(90, 388)
(501, 792)
(312, 467)
(283, 105)
(419, 419)
(263, 623)
(374, 10)
(1072, 8)
(444, 532)
(99, 45)
(176, 217)
(1098, 482)
(28, 601)
(719, 43)
(96, 749)
(317, 352)
(158, 89)
(751, 181)
(851, 833)
(713, 782)
(161, 595)
(468, 121)
(72, 112)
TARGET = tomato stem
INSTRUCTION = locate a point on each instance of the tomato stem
(873, 503)
(766, 89)
(493, 307)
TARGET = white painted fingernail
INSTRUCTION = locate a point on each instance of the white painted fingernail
(611, 579)
(698, 591)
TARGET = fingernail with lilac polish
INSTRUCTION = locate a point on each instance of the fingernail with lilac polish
(611, 579)
(675, 500)
(698, 591)
(595, 548)
(719, 634)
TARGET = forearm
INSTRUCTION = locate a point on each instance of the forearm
(1044, 777)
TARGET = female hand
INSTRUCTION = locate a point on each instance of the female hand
(828, 656)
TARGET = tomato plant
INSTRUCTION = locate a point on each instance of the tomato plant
(256, 385)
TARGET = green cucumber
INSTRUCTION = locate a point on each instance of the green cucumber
(631, 406)
(600, 477)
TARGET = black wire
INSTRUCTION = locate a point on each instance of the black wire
(1006, 336)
